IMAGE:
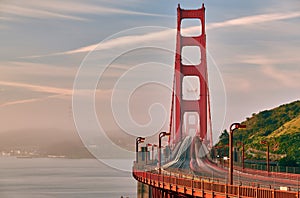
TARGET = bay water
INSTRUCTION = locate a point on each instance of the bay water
(62, 178)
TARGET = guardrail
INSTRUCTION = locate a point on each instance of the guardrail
(200, 187)
(275, 181)
(291, 173)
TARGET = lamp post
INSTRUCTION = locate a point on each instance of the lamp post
(267, 153)
(243, 154)
(232, 128)
(161, 135)
(137, 141)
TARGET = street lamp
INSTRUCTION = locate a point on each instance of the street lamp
(137, 141)
(243, 153)
(161, 135)
(232, 128)
(267, 153)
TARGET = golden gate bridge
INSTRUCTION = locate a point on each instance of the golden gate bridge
(185, 169)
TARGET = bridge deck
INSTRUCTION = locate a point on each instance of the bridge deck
(196, 187)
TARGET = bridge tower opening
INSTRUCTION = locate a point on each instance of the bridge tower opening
(190, 103)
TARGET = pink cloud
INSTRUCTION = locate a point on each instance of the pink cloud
(27, 100)
(39, 88)
(136, 39)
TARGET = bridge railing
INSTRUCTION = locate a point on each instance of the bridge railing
(291, 173)
(211, 177)
(198, 186)
(259, 170)
(273, 168)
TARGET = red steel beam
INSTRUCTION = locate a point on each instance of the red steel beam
(181, 186)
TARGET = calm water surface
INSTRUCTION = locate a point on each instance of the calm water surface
(62, 178)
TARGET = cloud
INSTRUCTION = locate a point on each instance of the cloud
(38, 88)
(28, 100)
(238, 84)
(263, 60)
(63, 10)
(124, 41)
(288, 78)
(250, 20)
(86, 8)
(25, 11)
(162, 35)
(15, 68)
(54, 91)
(2, 18)
(117, 42)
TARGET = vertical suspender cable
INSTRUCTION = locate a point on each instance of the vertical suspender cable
(172, 109)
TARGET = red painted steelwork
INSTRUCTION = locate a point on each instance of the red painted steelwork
(199, 106)
(174, 186)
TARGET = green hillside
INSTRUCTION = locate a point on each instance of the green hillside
(279, 126)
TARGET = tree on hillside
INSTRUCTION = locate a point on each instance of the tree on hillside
(279, 126)
(221, 147)
(224, 138)
(288, 161)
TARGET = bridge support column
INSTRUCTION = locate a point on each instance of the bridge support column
(143, 191)
(150, 191)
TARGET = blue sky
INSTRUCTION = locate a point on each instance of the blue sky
(254, 45)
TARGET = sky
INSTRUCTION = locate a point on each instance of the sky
(50, 47)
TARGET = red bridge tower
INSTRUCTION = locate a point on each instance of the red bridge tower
(191, 114)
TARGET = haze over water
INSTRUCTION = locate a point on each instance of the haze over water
(62, 178)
